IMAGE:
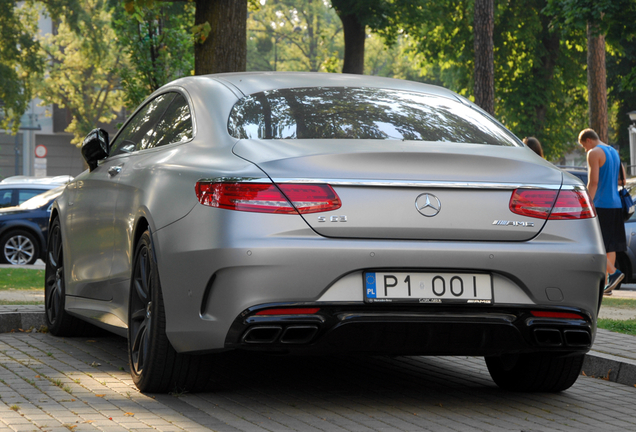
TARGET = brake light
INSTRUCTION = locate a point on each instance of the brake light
(267, 197)
(288, 311)
(573, 204)
(551, 204)
(567, 315)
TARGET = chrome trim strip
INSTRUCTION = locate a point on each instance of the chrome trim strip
(397, 183)
(236, 180)
(420, 184)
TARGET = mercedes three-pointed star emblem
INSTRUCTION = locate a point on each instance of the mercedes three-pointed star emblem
(428, 204)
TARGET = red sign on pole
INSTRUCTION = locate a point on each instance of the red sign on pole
(40, 151)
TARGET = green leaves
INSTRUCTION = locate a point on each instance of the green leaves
(82, 72)
(157, 42)
(19, 58)
(539, 70)
(294, 35)
(200, 32)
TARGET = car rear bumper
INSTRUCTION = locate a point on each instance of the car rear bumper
(481, 331)
(224, 269)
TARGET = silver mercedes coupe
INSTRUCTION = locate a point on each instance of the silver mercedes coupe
(307, 213)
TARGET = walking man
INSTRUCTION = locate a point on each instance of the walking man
(603, 164)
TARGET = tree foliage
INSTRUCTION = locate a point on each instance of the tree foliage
(219, 33)
(82, 74)
(539, 74)
(383, 17)
(20, 55)
(294, 35)
(18, 59)
(157, 39)
(397, 60)
(615, 20)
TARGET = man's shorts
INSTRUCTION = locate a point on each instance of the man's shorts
(613, 229)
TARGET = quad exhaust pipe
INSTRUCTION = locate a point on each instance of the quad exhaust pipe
(292, 334)
(554, 337)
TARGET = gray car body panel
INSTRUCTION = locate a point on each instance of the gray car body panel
(214, 263)
(389, 212)
(290, 263)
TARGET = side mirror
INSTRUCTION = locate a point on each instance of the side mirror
(95, 147)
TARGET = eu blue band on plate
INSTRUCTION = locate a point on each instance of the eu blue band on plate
(370, 285)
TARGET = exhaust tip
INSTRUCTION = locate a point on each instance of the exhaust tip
(262, 334)
(548, 337)
(297, 334)
(577, 338)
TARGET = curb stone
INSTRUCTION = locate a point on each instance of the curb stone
(16, 318)
(609, 367)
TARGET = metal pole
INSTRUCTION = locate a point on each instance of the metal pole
(632, 148)
(16, 149)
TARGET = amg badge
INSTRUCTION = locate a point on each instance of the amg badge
(513, 223)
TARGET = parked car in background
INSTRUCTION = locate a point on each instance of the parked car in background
(576, 171)
(17, 189)
(626, 261)
(311, 213)
(24, 229)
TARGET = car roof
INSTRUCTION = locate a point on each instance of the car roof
(43, 186)
(254, 82)
(51, 180)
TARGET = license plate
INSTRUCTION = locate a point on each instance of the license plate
(429, 287)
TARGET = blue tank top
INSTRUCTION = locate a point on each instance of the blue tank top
(607, 190)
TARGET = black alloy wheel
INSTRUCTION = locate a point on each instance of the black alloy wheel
(140, 310)
(154, 364)
(59, 322)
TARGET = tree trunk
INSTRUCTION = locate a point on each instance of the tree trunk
(597, 82)
(354, 36)
(483, 28)
(225, 49)
(544, 71)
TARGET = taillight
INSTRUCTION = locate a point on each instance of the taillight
(567, 315)
(551, 204)
(288, 311)
(267, 197)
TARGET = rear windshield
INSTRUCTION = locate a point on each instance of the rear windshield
(361, 113)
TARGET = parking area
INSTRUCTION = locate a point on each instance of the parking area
(81, 384)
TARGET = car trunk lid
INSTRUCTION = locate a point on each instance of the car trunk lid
(410, 190)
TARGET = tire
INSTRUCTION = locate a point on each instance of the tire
(535, 372)
(154, 364)
(19, 247)
(59, 322)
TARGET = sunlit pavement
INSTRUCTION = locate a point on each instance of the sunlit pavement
(81, 384)
(626, 291)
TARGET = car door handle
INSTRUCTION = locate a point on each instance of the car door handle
(114, 170)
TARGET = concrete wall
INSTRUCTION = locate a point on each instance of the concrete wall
(7, 155)
(62, 158)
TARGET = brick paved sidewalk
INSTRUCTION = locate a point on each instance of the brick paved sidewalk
(82, 384)
(613, 355)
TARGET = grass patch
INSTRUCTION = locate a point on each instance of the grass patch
(19, 302)
(21, 278)
(618, 326)
(621, 303)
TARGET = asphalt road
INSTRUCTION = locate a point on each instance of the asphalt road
(81, 384)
